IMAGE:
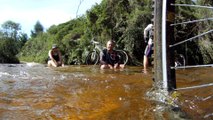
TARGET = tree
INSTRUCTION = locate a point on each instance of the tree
(8, 51)
(11, 29)
(12, 40)
(23, 39)
(38, 28)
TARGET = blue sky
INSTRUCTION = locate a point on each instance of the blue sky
(48, 12)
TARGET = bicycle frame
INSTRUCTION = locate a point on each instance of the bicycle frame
(95, 54)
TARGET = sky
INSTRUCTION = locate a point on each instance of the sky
(47, 12)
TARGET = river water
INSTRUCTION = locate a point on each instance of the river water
(34, 92)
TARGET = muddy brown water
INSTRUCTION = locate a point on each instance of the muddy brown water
(35, 92)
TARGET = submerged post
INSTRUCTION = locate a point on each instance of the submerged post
(163, 37)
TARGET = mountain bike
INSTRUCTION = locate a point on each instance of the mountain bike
(93, 56)
(180, 60)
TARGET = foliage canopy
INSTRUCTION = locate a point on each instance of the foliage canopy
(120, 20)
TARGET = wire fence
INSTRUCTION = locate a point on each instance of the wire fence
(190, 39)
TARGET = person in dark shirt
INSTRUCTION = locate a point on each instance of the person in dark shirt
(109, 58)
(54, 57)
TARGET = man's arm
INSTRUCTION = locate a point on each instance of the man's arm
(103, 58)
(60, 56)
(51, 57)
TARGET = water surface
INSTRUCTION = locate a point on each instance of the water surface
(33, 91)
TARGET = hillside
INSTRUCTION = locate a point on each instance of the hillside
(123, 21)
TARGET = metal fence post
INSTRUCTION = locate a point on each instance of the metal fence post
(163, 37)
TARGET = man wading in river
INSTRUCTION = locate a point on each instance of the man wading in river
(148, 37)
(109, 58)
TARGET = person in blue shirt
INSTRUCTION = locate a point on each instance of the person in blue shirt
(109, 58)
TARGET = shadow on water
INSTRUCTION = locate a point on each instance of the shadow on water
(33, 91)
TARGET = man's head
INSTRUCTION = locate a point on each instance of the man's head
(54, 47)
(110, 45)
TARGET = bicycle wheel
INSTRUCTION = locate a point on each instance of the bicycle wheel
(123, 56)
(92, 58)
(180, 60)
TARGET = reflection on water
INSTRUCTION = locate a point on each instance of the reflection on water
(33, 91)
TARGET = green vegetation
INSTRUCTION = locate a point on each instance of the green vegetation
(205, 43)
(120, 20)
(197, 51)
(11, 41)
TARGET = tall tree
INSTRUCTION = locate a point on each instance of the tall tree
(11, 29)
(23, 39)
(12, 40)
(38, 28)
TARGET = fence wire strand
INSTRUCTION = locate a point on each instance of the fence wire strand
(191, 38)
(195, 87)
(188, 5)
(193, 21)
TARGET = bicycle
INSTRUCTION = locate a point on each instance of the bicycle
(180, 60)
(93, 56)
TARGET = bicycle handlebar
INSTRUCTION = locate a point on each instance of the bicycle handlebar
(94, 42)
